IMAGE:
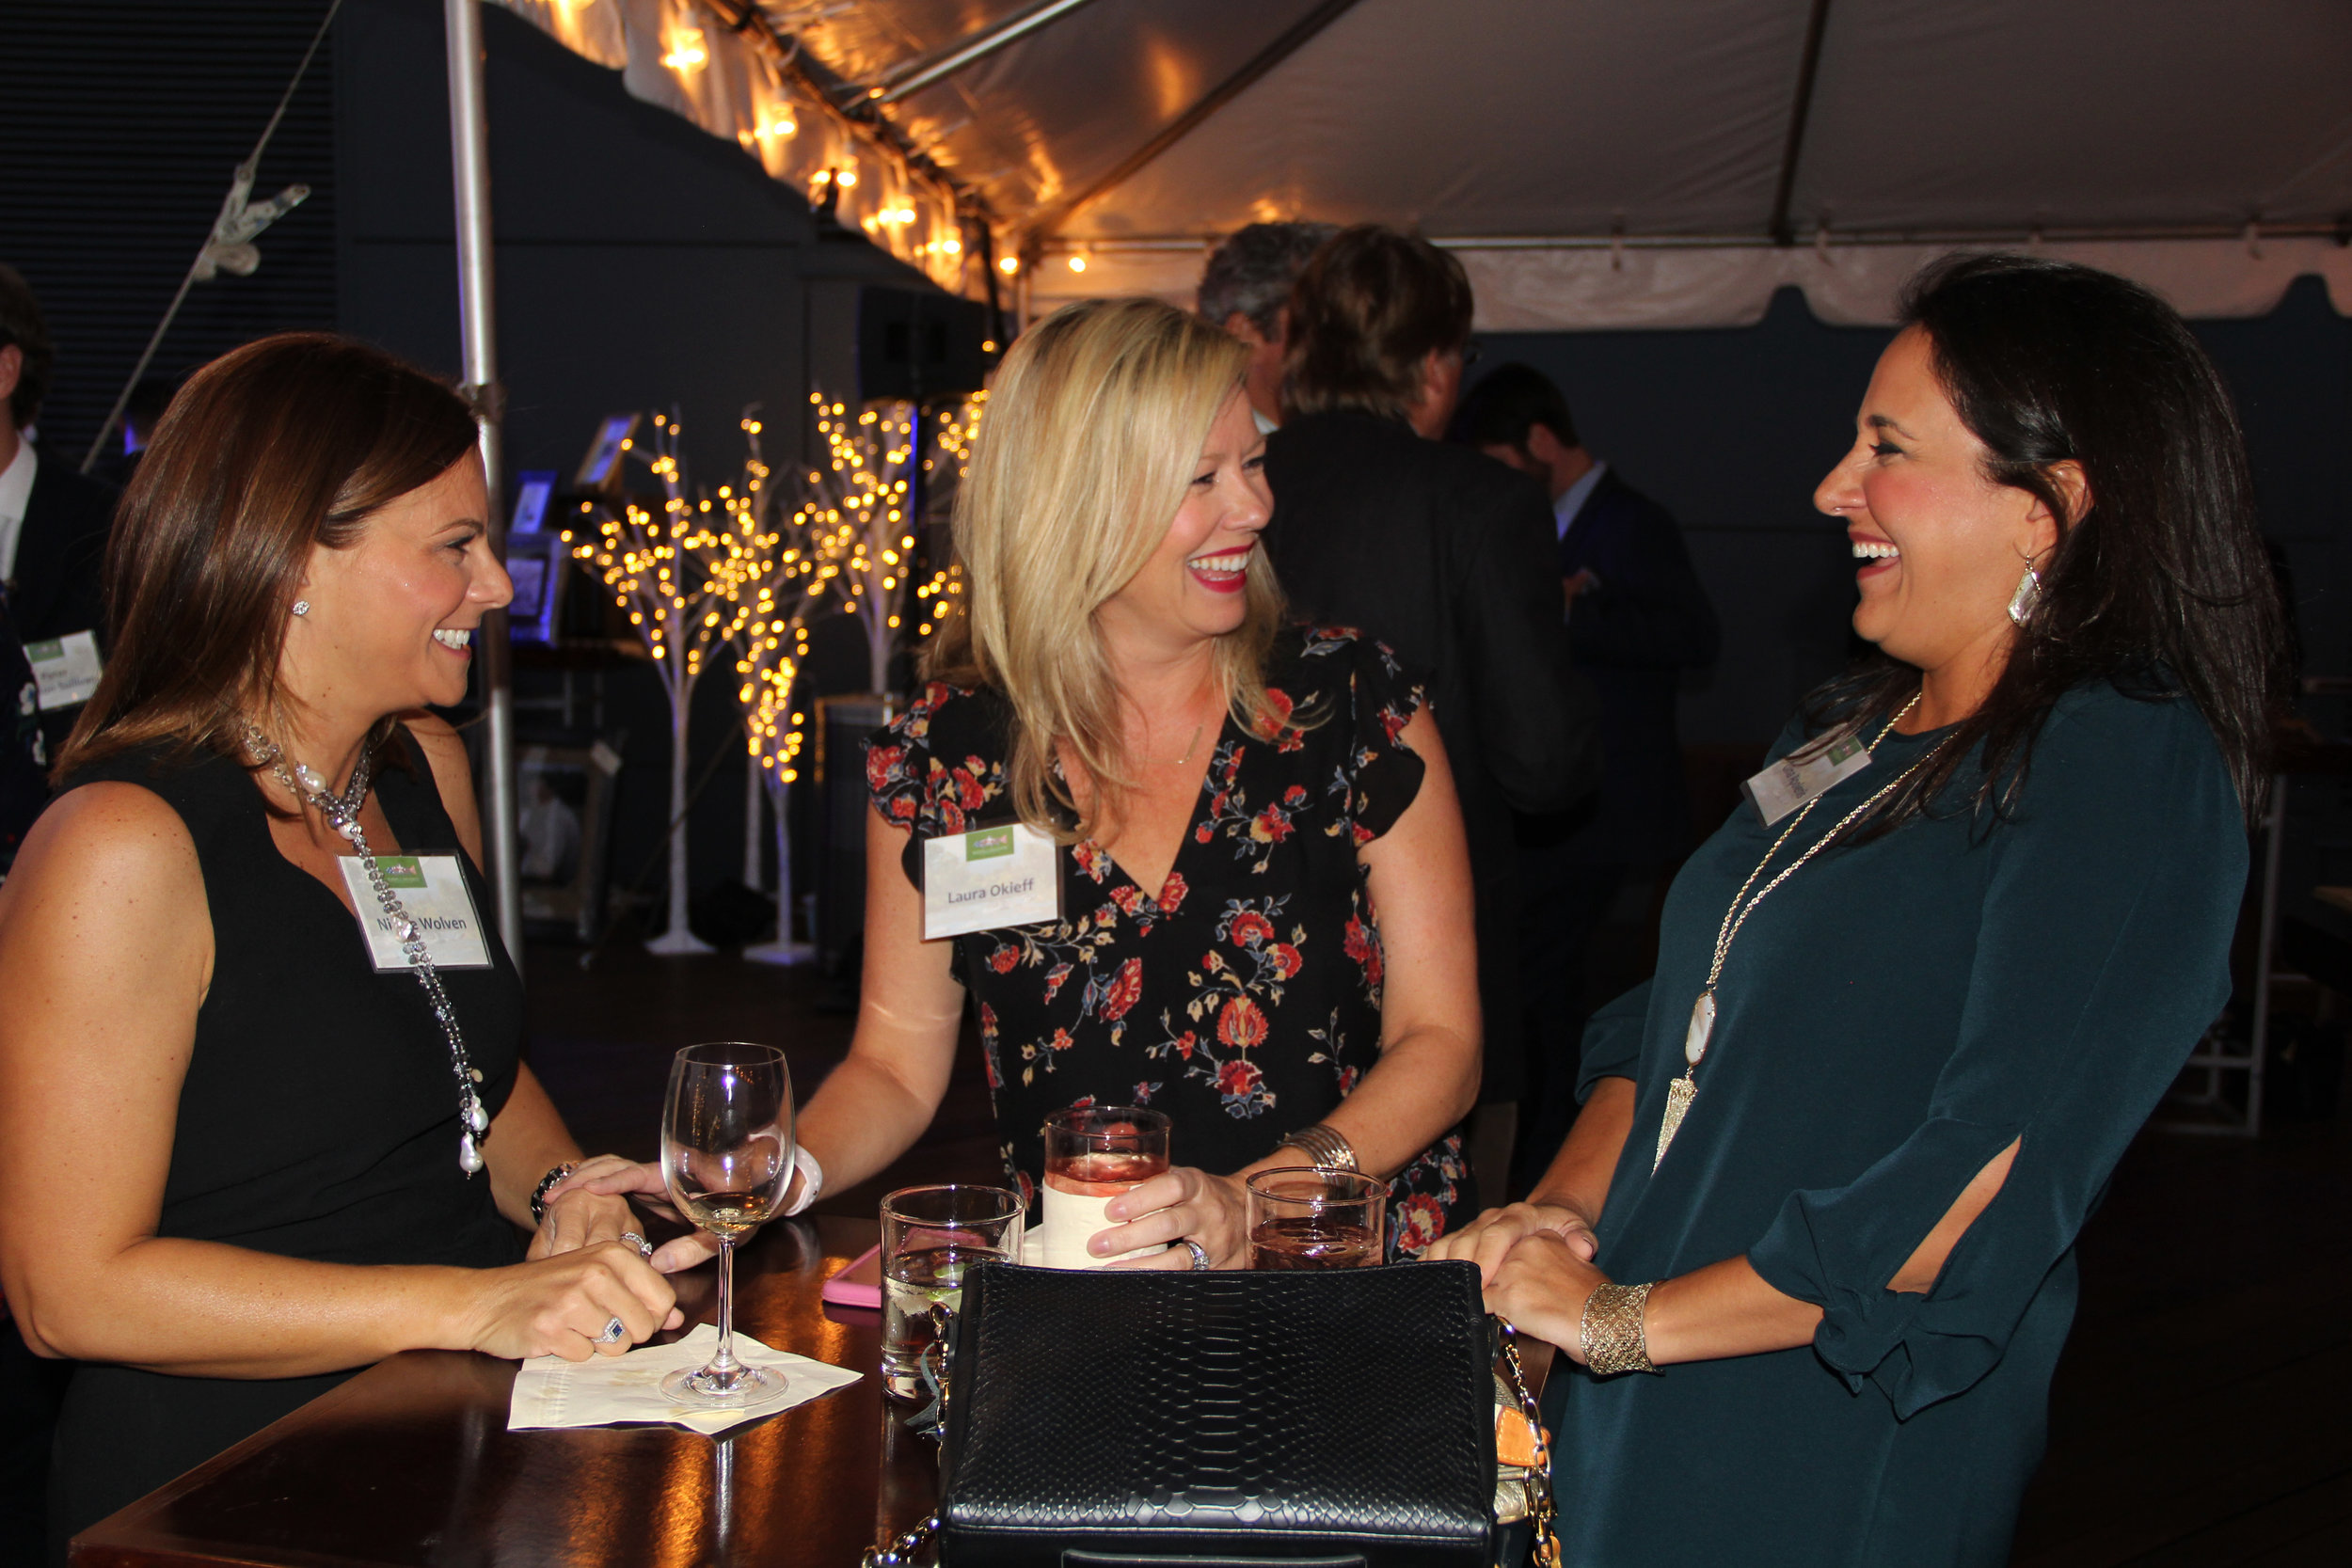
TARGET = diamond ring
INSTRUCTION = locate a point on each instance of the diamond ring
(1199, 1254)
(644, 1247)
(612, 1332)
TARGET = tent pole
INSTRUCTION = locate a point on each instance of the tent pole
(470, 162)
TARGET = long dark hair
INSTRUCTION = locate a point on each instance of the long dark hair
(270, 451)
(2162, 586)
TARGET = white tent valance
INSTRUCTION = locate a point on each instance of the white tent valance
(1596, 164)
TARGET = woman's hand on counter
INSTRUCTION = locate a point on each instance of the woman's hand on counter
(1487, 1240)
(1541, 1287)
(1182, 1203)
(562, 1305)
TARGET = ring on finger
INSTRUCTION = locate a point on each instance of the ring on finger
(644, 1247)
(1199, 1253)
(612, 1332)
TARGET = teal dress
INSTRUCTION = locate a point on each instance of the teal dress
(1892, 1018)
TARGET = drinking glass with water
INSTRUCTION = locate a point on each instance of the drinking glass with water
(930, 1236)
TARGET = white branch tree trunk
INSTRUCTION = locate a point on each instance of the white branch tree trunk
(678, 938)
(782, 950)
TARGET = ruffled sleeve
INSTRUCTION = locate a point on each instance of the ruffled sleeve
(1380, 773)
(924, 773)
(2101, 959)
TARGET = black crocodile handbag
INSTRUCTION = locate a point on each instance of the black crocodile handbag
(1116, 1419)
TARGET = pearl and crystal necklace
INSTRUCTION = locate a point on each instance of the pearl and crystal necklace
(342, 812)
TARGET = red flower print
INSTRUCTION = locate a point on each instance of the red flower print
(1250, 928)
(1240, 1024)
(1361, 834)
(1004, 958)
(951, 817)
(1089, 860)
(1127, 898)
(1143, 1093)
(1083, 1103)
(901, 808)
(1054, 978)
(1347, 1079)
(1393, 720)
(1186, 1043)
(1419, 1222)
(1277, 715)
(1061, 1041)
(1270, 826)
(1237, 1079)
(1124, 990)
(881, 765)
(1285, 960)
(1295, 795)
(1202, 834)
(968, 792)
(1363, 945)
(1172, 894)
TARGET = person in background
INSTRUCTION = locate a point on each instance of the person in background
(53, 530)
(1245, 290)
(1446, 555)
(1638, 620)
(241, 1159)
(53, 521)
(1812, 1243)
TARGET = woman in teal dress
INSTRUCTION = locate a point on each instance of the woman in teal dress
(1811, 1242)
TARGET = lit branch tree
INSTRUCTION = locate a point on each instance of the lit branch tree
(689, 581)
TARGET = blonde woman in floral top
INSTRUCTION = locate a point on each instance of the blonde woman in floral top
(1265, 904)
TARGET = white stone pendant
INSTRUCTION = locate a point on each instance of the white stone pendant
(1701, 1027)
(469, 1156)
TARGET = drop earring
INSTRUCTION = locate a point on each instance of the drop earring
(302, 607)
(2028, 594)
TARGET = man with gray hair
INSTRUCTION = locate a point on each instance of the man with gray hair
(1245, 289)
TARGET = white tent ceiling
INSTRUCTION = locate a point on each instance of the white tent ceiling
(1597, 162)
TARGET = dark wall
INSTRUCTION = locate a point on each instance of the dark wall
(1732, 429)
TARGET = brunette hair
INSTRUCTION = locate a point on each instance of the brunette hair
(1369, 309)
(1507, 404)
(268, 452)
(2161, 585)
(1249, 275)
(20, 325)
(1094, 426)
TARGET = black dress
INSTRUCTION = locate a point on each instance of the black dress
(318, 1118)
(1242, 997)
(1893, 1017)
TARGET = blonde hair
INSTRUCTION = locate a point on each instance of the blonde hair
(1095, 425)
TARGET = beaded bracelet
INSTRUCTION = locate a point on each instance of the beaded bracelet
(1613, 1332)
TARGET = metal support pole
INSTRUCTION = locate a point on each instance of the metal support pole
(470, 162)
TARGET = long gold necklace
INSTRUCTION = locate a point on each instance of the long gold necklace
(1694, 1041)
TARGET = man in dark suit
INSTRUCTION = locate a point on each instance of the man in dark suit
(1445, 556)
(1637, 619)
(53, 521)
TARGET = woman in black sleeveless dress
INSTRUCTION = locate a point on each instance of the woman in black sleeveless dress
(244, 1157)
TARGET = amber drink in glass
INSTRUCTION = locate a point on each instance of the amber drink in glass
(1302, 1217)
(1091, 1157)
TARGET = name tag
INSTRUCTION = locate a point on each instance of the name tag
(66, 670)
(433, 890)
(1806, 774)
(990, 877)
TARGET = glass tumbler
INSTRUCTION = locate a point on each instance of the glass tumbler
(1092, 1156)
(931, 1235)
(1304, 1217)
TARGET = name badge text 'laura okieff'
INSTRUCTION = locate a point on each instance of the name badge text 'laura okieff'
(987, 878)
(1807, 773)
(433, 890)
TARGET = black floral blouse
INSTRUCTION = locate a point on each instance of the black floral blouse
(1243, 997)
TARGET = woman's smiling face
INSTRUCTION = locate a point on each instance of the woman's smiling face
(393, 618)
(1191, 589)
(1943, 547)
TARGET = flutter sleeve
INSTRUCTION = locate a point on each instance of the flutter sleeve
(1382, 771)
(905, 786)
(2101, 959)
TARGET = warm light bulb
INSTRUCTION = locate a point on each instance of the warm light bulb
(1008, 264)
(1077, 264)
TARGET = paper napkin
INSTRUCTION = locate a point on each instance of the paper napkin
(603, 1390)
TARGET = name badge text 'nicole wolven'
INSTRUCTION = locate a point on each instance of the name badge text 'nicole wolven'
(987, 878)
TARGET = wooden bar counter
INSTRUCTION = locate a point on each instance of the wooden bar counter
(410, 1463)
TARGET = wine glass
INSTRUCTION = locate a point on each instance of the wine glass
(726, 1157)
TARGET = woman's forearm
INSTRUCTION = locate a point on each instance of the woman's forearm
(1424, 1082)
(527, 1140)
(206, 1309)
(1723, 1309)
(1580, 1174)
(861, 1120)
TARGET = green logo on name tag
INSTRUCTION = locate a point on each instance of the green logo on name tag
(400, 870)
(1851, 746)
(40, 653)
(987, 844)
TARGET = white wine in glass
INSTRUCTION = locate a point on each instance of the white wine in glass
(726, 1155)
